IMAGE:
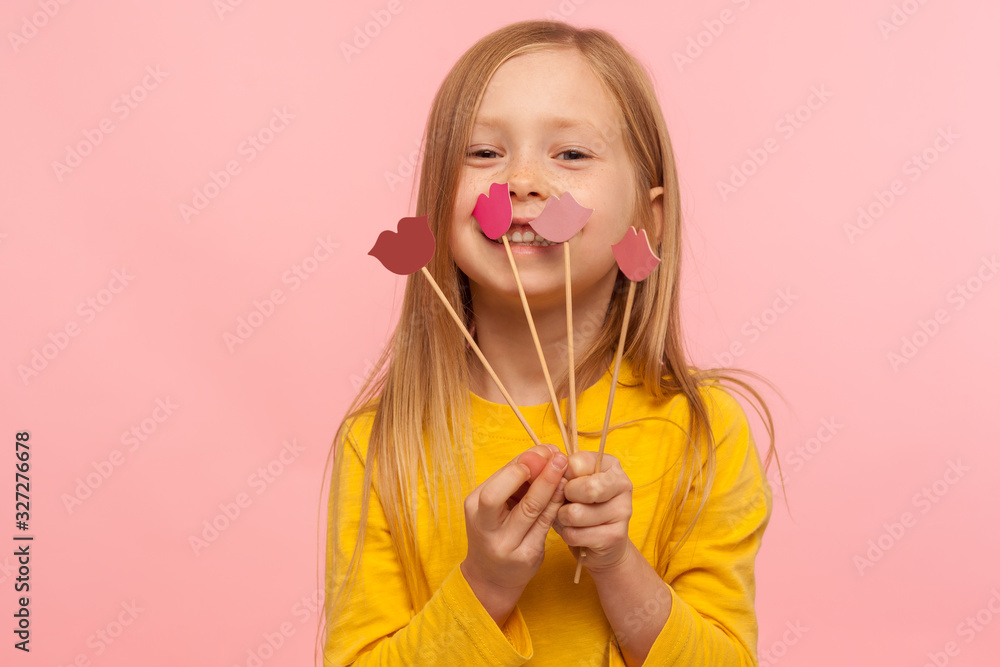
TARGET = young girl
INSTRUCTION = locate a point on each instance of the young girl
(434, 557)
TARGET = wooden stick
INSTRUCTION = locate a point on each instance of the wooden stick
(572, 363)
(482, 358)
(614, 375)
(538, 345)
(611, 400)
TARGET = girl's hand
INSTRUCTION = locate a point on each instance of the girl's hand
(507, 539)
(597, 510)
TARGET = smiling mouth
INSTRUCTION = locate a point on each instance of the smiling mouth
(519, 234)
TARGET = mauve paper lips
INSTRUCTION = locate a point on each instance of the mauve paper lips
(494, 212)
(634, 255)
(408, 249)
(561, 218)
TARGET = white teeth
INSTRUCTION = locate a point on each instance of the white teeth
(527, 237)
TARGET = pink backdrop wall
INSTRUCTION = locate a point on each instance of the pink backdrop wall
(170, 169)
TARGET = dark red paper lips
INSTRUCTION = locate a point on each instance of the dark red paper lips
(634, 255)
(408, 249)
(561, 218)
(493, 212)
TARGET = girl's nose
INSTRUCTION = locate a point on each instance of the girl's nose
(527, 181)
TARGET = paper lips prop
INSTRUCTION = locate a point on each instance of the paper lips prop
(634, 255)
(493, 212)
(409, 249)
(561, 218)
(559, 221)
(406, 250)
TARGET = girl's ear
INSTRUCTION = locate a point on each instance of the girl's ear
(656, 197)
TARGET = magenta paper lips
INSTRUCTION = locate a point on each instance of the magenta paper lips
(559, 221)
(494, 212)
(634, 255)
(408, 249)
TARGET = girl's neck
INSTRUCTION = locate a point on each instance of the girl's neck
(505, 339)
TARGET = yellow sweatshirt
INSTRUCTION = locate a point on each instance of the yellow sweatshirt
(711, 578)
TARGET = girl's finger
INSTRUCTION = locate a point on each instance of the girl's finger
(537, 499)
(581, 515)
(535, 458)
(540, 529)
(597, 538)
(592, 488)
(494, 492)
(582, 463)
(599, 488)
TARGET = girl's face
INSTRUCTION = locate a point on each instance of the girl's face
(545, 127)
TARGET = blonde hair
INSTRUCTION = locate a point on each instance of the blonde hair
(418, 397)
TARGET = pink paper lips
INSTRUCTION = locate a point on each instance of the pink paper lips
(559, 221)
(634, 255)
(406, 250)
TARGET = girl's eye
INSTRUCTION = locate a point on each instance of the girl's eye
(479, 153)
(578, 154)
(573, 155)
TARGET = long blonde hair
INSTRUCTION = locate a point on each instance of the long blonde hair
(418, 398)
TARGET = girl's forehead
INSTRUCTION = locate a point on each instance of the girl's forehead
(558, 84)
(555, 67)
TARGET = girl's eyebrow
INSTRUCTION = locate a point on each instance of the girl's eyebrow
(555, 122)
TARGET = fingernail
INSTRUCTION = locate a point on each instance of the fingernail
(559, 461)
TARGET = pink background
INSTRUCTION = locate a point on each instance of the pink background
(860, 437)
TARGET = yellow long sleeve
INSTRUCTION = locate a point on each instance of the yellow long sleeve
(711, 577)
(382, 627)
